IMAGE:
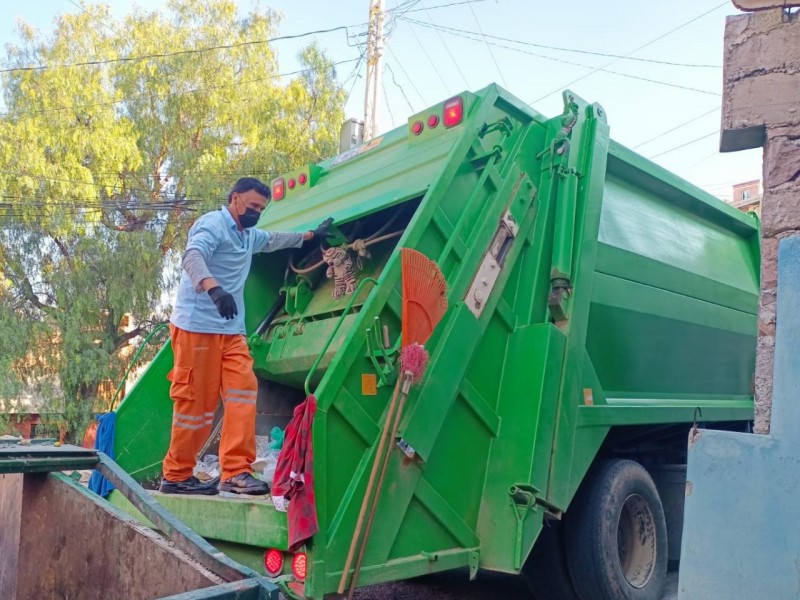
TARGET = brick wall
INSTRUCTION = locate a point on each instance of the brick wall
(761, 107)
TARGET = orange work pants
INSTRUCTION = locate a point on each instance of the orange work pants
(209, 366)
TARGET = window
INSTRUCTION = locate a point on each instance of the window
(746, 194)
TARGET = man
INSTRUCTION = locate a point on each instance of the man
(211, 356)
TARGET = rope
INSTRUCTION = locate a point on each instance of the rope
(360, 247)
(357, 245)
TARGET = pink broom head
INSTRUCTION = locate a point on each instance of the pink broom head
(414, 358)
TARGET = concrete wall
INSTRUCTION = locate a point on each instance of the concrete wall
(66, 543)
(761, 107)
(740, 538)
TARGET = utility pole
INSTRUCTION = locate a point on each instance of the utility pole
(374, 66)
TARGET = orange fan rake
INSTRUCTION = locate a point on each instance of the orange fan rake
(424, 297)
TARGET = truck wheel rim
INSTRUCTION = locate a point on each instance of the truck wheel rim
(636, 541)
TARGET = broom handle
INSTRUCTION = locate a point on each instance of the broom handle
(406, 380)
(387, 426)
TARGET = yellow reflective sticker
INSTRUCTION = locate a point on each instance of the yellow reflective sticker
(369, 384)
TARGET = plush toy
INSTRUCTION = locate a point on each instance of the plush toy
(340, 269)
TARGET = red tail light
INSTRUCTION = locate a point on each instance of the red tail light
(278, 188)
(273, 562)
(453, 112)
(433, 121)
(301, 179)
(300, 565)
(417, 127)
(292, 183)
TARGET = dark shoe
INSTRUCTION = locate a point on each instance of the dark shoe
(188, 486)
(244, 483)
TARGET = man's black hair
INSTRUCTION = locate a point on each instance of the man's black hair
(245, 184)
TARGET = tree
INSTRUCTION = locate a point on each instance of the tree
(105, 165)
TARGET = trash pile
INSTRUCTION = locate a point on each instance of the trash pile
(268, 447)
(207, 468)
(267, 450)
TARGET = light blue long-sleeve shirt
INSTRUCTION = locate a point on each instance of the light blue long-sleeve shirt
(227, 253)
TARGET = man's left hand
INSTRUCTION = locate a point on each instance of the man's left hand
(322, 232)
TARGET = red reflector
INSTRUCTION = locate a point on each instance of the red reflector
(416, 128)
(302, 178)
(278, 189)
(433, 121)
(273, 561)
(292, 183)
(453, 111)
(299, 565)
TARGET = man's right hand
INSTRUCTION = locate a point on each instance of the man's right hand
(225, 303)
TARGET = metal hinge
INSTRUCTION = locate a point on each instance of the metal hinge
(492, 264)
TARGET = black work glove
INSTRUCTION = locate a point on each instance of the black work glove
(226, 305)
(321, 233)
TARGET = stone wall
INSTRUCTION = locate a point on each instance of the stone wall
(761, 107)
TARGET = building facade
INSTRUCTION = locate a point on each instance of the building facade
(747, 196)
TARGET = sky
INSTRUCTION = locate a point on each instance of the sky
(662, 98)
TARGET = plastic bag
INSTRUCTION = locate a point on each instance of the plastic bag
(263, 444)
(271, 465)
(207, 468)
(276, 438)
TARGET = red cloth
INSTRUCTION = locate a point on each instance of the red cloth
(294, 475)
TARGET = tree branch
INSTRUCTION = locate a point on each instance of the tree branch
(26, 289)
(122, 340)
(61, 246)
(141, 329)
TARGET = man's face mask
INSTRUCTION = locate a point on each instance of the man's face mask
(249, 217)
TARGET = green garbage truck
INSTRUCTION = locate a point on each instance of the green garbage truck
(599, 309)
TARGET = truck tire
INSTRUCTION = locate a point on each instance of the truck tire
(545, 571)
(616, 535)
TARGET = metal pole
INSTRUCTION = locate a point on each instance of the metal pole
(374, 66)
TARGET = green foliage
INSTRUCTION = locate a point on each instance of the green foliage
(105, 166)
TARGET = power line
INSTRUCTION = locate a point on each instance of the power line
(76, 182)
(106, 61)
(92, 201)
(83, 10)
(354, 74)
(391, 10)
(447, 48)
(561, 48)
(488, 47)
(569, 62)
(653, 41)
(413, 85)
(402, 8)
(402, 91)
(168, 95)
(388, 108)
(440, 6)
(708, 135)
(15, 212)
(428, 56)
(662, 134)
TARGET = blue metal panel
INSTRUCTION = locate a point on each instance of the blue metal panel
(740, 537)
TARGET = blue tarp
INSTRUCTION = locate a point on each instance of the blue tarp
(104, 442)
